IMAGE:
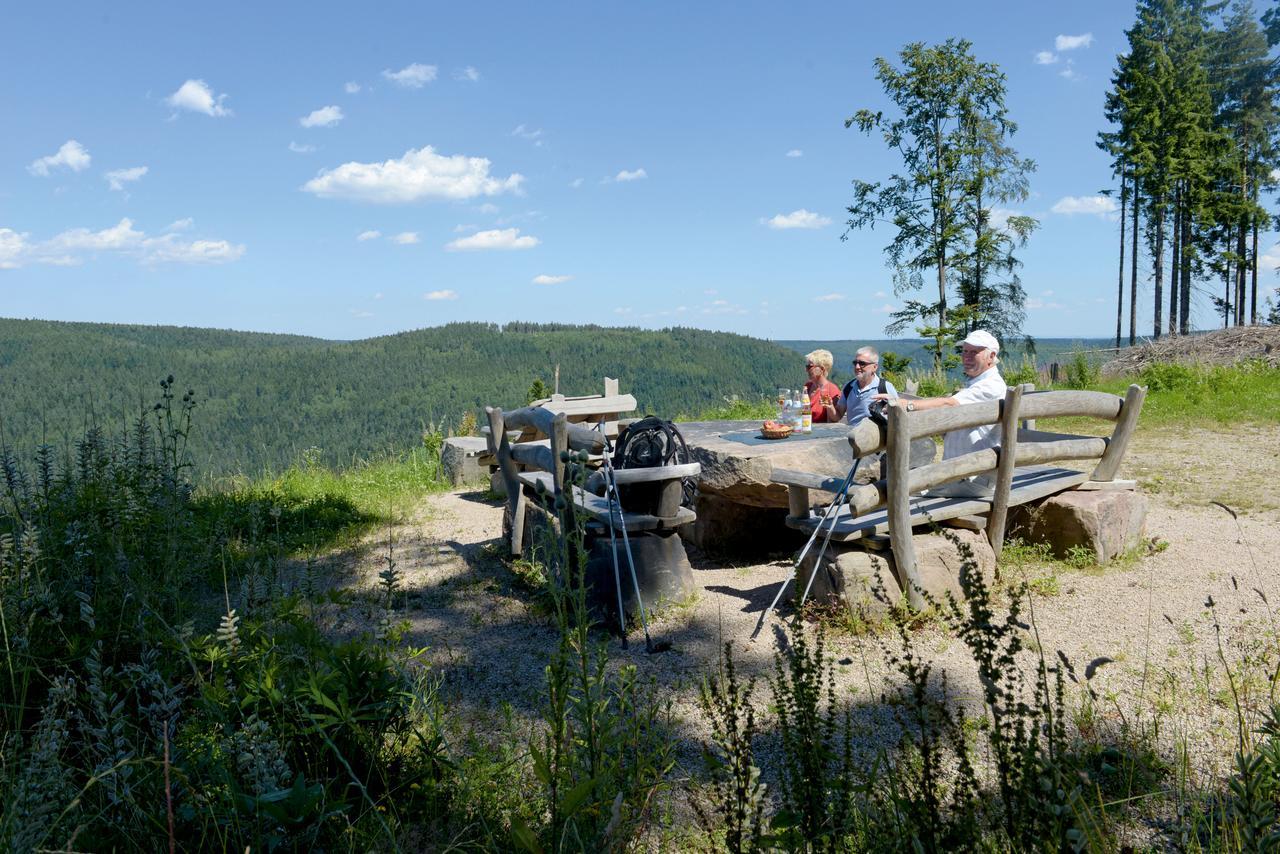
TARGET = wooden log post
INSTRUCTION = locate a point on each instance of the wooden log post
(501, 449)
(797, 502)
(559, 436)
(1126, 423)
(899, 506)
(1004, 468)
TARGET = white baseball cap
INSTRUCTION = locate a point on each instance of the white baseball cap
(982, 338)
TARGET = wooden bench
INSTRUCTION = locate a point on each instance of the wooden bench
(900, 501)
(531, 466)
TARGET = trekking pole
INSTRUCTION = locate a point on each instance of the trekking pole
(831, 513)
(826, 540)
(613, 546)
(611, 481)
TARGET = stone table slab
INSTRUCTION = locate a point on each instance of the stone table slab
(737, 461)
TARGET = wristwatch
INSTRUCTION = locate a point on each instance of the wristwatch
(911, 407)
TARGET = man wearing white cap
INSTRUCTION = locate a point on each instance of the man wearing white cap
(979, 353)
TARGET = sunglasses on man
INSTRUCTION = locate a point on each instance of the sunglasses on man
(861, 364)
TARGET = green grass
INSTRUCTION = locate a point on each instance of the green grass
(736, 409)
(1182, 395)
(310, 507)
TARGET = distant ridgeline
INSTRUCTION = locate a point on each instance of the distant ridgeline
(265, 398)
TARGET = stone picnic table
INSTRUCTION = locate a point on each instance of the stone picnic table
(740, 510)
(737, 461)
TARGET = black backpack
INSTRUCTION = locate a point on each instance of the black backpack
(648, 443)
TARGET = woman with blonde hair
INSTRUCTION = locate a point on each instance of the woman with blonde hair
(824, 395)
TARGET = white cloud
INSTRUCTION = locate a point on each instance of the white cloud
(413, 76)
(325, 117)
(420, 174)
(304, 148)
(887, 308)
(445, 294)
(622, 310)
(504, 238)
(70, 247)
(1069, 73)
(488, 209)
(797, 219)
(117, 178)
(722, 306)
(531, 134)
(371, 234)
(169, 249)
(468, 74)
(550, 280)
(71, 155)
(795, 152)
(830, 298)
(1046, 57)
(13, 248)
(1072, 42)
(119, 236)
(351, 87)
(631, 175)
(180, 224)
(357, 312)
(879, 295)
(378, 295)
(577, 182)
(1099, 205)
(196, 96)
(1036, 304)
(406, 238)
(1269, 261)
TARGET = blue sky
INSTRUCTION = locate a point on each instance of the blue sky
(346, 172)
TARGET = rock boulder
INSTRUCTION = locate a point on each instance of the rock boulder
(1107, 523)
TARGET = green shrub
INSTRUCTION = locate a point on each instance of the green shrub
(1081, 372)
(1024, 372)
(1170, 376)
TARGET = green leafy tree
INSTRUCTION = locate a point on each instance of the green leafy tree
(950, 129)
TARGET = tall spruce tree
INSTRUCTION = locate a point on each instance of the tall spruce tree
(951, 129)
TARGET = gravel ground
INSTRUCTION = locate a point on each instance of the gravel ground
(489, 643)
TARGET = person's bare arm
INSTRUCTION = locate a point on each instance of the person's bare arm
(922, 403)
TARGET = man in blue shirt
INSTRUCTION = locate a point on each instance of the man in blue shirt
(866, 383)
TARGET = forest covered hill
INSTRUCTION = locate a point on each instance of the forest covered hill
(264, 398)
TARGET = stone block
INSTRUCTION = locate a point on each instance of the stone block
(938, 561)
(498, 484)
(849, 573)
(460, 460)
(1107, 523)
(662, 572)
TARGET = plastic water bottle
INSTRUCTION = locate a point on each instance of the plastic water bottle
(806, 413)
(797, 417)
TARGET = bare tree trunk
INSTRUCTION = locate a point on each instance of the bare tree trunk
(1184, 302)
(1133, 267)
(1124, 198)
(1175, 261)
(1240, 271)
(1226, 296)
(1253, 270)
(1159, 272)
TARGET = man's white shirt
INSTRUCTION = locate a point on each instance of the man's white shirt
(988, 385)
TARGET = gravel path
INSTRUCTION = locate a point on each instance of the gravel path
(488, 641)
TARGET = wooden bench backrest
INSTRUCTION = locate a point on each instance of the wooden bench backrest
(1017, 447)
